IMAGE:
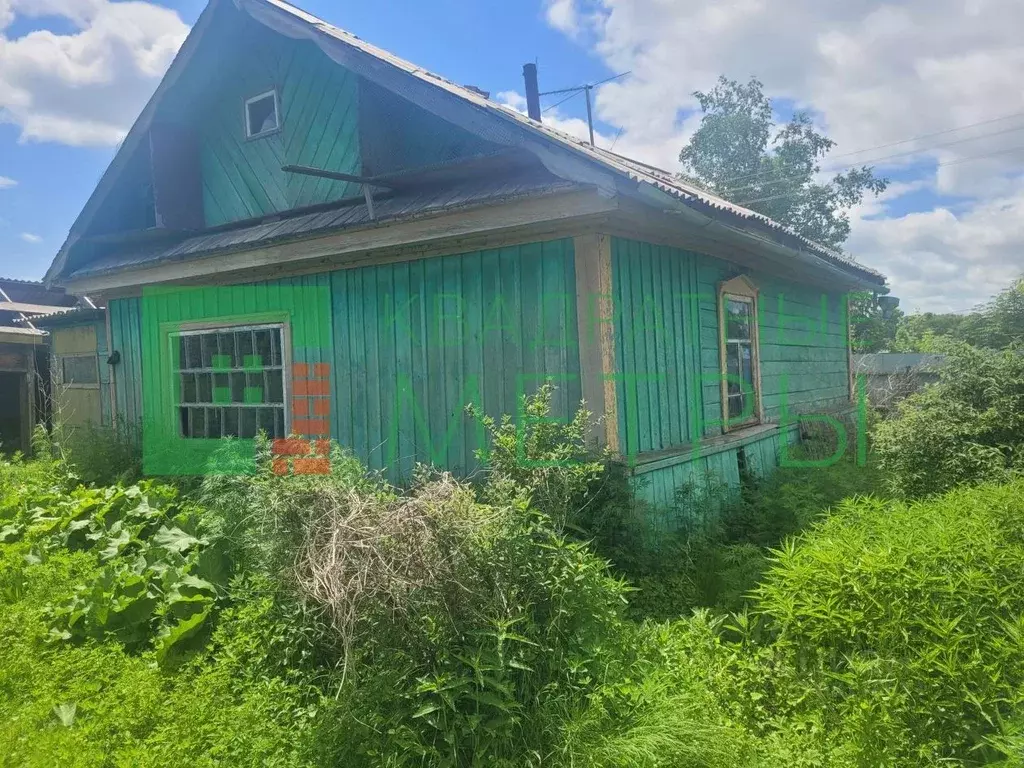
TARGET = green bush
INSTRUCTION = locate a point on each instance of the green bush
(95, 704)
(101, 455)
(967, 428)
(909, 619)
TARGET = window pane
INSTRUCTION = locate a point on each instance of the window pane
(81, 369)
(737, 406)
(737, 319)
(262, 115)
(746, 367)
(239, 384)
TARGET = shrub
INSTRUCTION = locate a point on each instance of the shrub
(465, 654)
(101, 455)
(967, 428)
(94, 704)
(913, 616)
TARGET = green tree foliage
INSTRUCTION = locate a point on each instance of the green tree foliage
(739, 154)
(997, 324)
(871, 329)
(966, 428)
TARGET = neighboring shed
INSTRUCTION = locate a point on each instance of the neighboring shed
(22, 354)
(80, 373)
(24, 367)
(891, 376)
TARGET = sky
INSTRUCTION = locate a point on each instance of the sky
(930, 92)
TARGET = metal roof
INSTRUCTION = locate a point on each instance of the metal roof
(65, 316)
(889, 363)
(662, 180)
(564, 155)
(408, 204)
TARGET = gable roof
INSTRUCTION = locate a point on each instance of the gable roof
(563, 155)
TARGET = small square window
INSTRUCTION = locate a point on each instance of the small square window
(261, 115)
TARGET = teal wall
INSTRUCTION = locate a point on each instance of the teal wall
(126, 338)
(410, 345)
(656, 357)
(803, 345)
(667, 349)
(418, 341)
(658, 483)
(667, 359)
(319, 114)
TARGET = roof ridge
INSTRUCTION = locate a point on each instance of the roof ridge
(659, 178)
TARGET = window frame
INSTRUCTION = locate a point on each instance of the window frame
(249, 135)
(740, 288)
(73, 385)
(232, 324)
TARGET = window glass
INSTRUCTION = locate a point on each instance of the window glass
(261, 114)
(741, 379)
(231, 382)
(80, 369)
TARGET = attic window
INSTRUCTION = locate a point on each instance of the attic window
(261, 115)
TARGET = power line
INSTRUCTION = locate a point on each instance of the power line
(937, 165)
(755, 174)
(908, 153)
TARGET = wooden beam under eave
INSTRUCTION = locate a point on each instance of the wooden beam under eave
(596, 328)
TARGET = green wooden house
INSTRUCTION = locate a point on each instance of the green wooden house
(306, 235)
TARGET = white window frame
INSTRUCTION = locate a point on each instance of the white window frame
(277, 114)
(742, 289)
(197, 329)
(73, 385)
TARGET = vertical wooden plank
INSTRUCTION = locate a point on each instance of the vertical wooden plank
(596, 332)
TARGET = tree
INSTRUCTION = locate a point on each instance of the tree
(871, 329)
(997, 324)
(735, 154)
(1004, 318)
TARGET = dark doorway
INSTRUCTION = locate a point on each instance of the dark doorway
(12, 412)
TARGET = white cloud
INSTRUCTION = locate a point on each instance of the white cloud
(28, 237)
(85, 87)
(941, 260)
(561, 14)
(874, 73)
(6, 182)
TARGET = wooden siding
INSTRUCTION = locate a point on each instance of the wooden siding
(396, 135)
(714, 471)
(416, 342)
(82, 339)
(126, 338)
(803, 345)
(410, 345)
(318, 109)
(658, 388)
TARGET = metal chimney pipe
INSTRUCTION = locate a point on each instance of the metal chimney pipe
(532, 91)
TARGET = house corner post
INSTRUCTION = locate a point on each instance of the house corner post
(596, 328)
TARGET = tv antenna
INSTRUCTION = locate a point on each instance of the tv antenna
(586, 89)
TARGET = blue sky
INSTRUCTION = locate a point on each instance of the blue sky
(54, 180)
(949, 232)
